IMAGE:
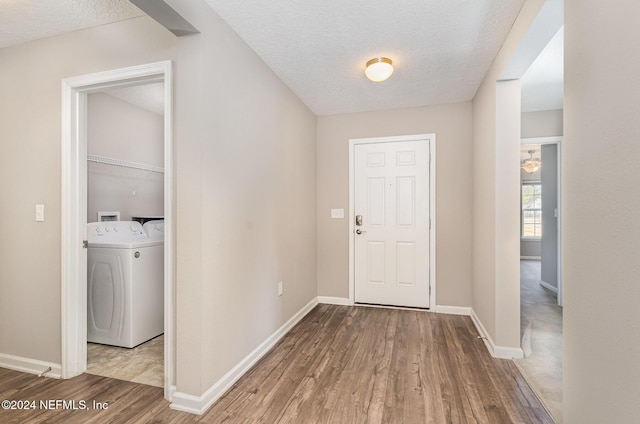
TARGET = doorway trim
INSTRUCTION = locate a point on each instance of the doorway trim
(557, 140)
(74, 211)
(431, 138)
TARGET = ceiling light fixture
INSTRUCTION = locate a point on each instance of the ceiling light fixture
(532, 164)
(379, 69)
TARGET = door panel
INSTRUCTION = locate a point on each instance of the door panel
(376, 201)
(376, 260)
(392, 249)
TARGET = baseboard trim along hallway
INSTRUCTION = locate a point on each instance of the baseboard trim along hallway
(199, 404)
(338, 364)
(502, 352)
(31, 366)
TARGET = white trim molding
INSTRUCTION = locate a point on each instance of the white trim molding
(31, 366)
(74, 209)
(549, 286)
(199, 404)
(502, 352)
(453, 310)
(329, 300)
(558, 140)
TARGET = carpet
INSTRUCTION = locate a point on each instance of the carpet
(541, 330)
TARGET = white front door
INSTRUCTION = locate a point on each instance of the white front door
(391, 208)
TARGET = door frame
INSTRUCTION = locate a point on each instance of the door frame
(557, 140)
(431, 139)
(74, 210)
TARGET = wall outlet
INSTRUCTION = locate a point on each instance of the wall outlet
(280, 288)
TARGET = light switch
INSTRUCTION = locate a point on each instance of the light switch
(40, 213)
(337, 213)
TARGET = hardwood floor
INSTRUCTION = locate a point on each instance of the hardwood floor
(340, 364)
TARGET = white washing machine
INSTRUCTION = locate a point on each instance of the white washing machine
(154, 229)
(125, 284)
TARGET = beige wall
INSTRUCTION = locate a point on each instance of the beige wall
(452, 126)
(120, 130)
(494, 298)
(245, 189)
(245, 152)
(30, 169)
(601, 231)
(545, 123)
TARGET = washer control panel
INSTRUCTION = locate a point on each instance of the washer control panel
(154, 229)
(114, 231)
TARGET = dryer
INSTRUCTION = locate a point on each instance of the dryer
(154, 229)
(125, 284)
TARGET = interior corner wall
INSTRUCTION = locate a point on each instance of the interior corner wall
(452, 125)
(246, 183)
(507, 210)
(119, 130)
(601, 230)
(30, 169)
(486, 199)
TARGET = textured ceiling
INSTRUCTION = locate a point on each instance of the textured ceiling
(26, 20)
(441, 49)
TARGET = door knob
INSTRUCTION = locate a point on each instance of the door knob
(359, 231)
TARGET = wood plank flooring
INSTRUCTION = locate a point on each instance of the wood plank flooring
(339, 365)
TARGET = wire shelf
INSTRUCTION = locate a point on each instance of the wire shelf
(125, 164)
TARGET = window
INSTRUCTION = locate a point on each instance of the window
(531, 210)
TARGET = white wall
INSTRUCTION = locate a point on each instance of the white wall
(601, 230)
(452, 126)
(120, 130)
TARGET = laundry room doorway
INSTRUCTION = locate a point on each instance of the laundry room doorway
(121, 177)
(125, 267)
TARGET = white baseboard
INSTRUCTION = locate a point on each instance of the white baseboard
(199, 404)
(453, 310)
(502, 352)
(31, 366)
(549, 286)
(329, 300)
(531, 258)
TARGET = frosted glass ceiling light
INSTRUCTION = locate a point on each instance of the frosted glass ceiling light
(532, 164)
(379, 69)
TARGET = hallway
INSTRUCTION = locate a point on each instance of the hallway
(541, 330)
(340, 364)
